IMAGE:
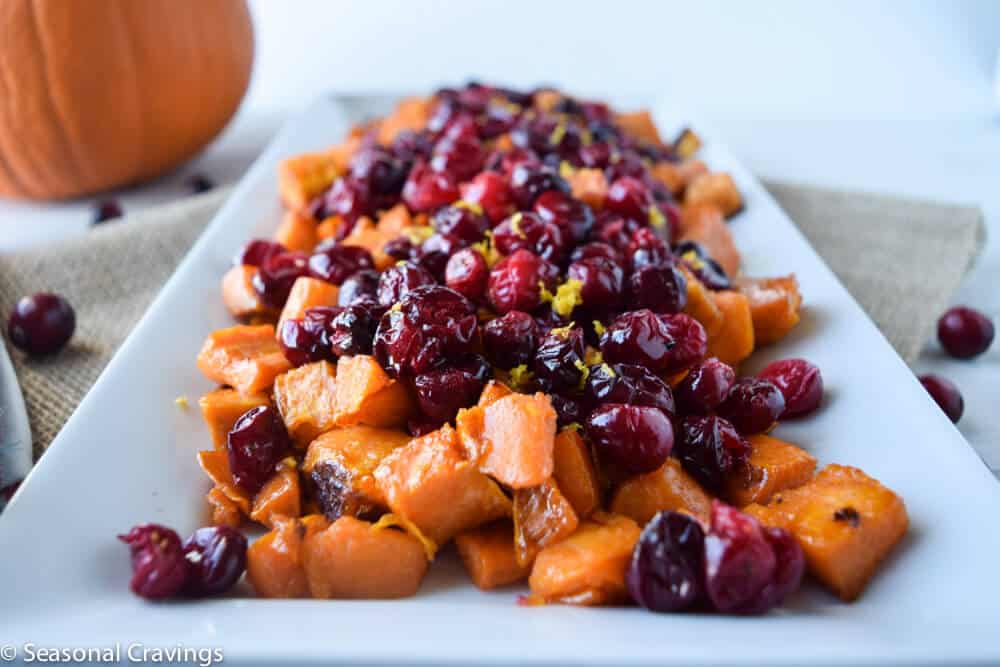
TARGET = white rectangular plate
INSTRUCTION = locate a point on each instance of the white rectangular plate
(127, 456)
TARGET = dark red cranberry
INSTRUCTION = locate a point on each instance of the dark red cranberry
(691, 342)
(396, 281)
(41, 323)
(349, 199)
(945, 394)
(705, 269)
(558, 364)
(380, 170)
(467, 273)
(739, 561)
(637, 439)
(710, 448)
(790, 565)
(303, 340)
(511, 340)
(753, 405)
(159, 569)
(351, 331)
(217, 557)
(275, 277)
(199, 183)
(430, 325)
(490, 190)
(500, 116)
(547, 134)
(435, 251)
(443, 392)
(258, 251)
(400, 249)
(529, 179)
(460, 156)
(572, 214)
(632, 385)
(661, 289)
(602, 282)
(646, 248)
(515, 281)
(799, 382)
(461, 221)
(528, 231)
(410, 146)
(615, 230)
(108, 209)
(596, 249)
(595, 156)
(426, 189)
(666, 570)
(359, 286)
(629, 197)
(568, 410)
(638, 337)
(704, 387)
(965, 333)
(334, 262)
(256, 443)
(625, 164)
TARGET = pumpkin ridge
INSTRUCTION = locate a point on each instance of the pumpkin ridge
(15, 179)
(135, 88)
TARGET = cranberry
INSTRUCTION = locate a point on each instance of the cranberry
(400, 248)
(705, 269)
(499, 117)
(359, 286)
(572, 214)
(629, 197)
(41, 324)
(625, 164)
(638, 337)
(710, 448)
(258, 251)
(638, 439)
(964, 333)
(275, 277)
(568, 410)
(596, 249)
(601, 281)
(334, 263)
(800, 383)
(108, 209)
(435, 251)
(217, 556)
(380, 170)
(410, 146)
(426, 189)
(397, 281)
(704, 387)
(595, 156)
(665, 572)
(431, 325)
(159, 569)
(790, 565)
(515, 281)
(351, 330)
(614, 230)
(753, 405)
(529, 179)
(256, 443)
(661, 289)
(558, 364)
(529, 232)
(739, 561)
(489, 189)
(646, 248)
(349, 199)
(441, 393)
(460, 156)
(945, 394)
(511, 340)
(691, 342)
(467, 273)
(307, 339)
(461, 221)
(632, 385)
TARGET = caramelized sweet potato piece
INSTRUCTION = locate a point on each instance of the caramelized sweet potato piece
(669, 174)
(302, 177)
(297, 232)
(225, 512)
(215, 463)
(392, 222)
(589, 186)
(774, 306)
(706, 226)
(667, 488)
(574, 471)
(512, 438)
(274, 561)
(329, 228)
(488, 555)
(846, 522)
(305, 397)
(588, 567)
(367, 395)
(279, 497)
(412, 113)
(701, 304)
(735, 340)
(367, 235)
(307, 293)
(542, 516)
(718, 189)
(493, 391)
(774, 466)
(245, 357)
(222, 407)
(239, 296)
(353, 560)
(432, 484)
(639, 124)
(340, 463)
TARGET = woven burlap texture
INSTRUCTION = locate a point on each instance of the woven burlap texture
(901, 259)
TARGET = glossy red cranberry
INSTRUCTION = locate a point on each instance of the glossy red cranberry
(562, 209)
(41, 324)
(460, 221)
(334, 262)
(108, 209)
(637, 439)
(275, 277)
(397, 281)
(790, 565)
(529, 179)
(411, 147)
(691, 342)
(528, 231)
(217, 557)
(704, 387)
(629, 197)
(460, 156)
(710, 449)
(498, 117)
(615, 230)
(661, 289)
(441, 393)
(256, 443)
(400, 249)
(965, 333)
(382, 172)
(258, 251)
(435, 251)
(646, 248)
(705, 269)
(568, 410)
(625, 164)
(490, 190)
(602, 282)
(359, 287)
(426, 189)
(666, 569)
(159, 569)
(595, 156)
(351, 331)
(945, 394)
(596, 249)
(349, 199)
(303, 340)
(638, 337)
(800, 383)
(632, 385)
(515, 281)
(511, 340)
(467, 273)
(753, 405)
(558, 363)
(739, 561)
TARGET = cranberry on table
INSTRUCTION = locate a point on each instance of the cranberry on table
(514, 282)
(360, 286)
(601, 282)
(461, 221)
(108, 209)
(637, 439)
(489, 189)
(945, 394)
(467, 273)
(558, 364)
(709, 449)
(334, 262)
(704, 387)
(799, 381)
(397, 281)
(691, 342)
(256, 443)
(511, 340)
(662, 289)
(632, 385)
(426, 189)
(964, 332)
(753, 405)
(275, 277)
(638, 337)
(217, 557)
(199, 183)
(665, 571)
(41, 324)
(258, 251)
(159, 569)
(443, 392)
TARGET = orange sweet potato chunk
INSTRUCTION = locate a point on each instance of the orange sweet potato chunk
(307, 293)
(668, 488)
(239, 296)
(488, 555)
(392, 222)
(432, 484)
(589, 186)
(668, 174)
(706, 226)
(302, 177)
(297, 232)
(225, 512)
(639, 124)
(367, 395)
(305, 397)
(215, 463)
(245, 357)
(774, 465)
(367, 235)
(493, 391)
(588, 567)
(701, 304)
(735, 340)
(774, 306)
(329, 227)
(718, 189)
(222, 407)
(542, 516)
(512, 438)
(280, 496)
(846, 522)
(274, 562)
(412, 113)
(574, 471)
(353, 560)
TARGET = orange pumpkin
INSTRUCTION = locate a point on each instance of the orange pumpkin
(96, 95)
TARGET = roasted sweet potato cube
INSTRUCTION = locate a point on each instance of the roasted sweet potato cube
(488, 555)
(493, 391)
(297, 232)
(701, 304)
(367, 395)
(281, 496)
(705, 225)
(639, 124)
(307, 293)
(367, 235)
(512, 438)
(215, 463)
(245, 357)
(589, 186)
(588, 567)
(574, 471)
(225, 511)
(222, 407)
(305, 397)
(669, 487)
(412, 113)
(774, 306)
(328, 228)
(542, 516)
(274, 561)
(431, 483)
(354, 560)
(719, 189)
(774, 465)
(668, 174)
(340, 463)
(392, 222)
(239, 296)
(846, 522)
(302, 177)
(686, 144)
(735, 340)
